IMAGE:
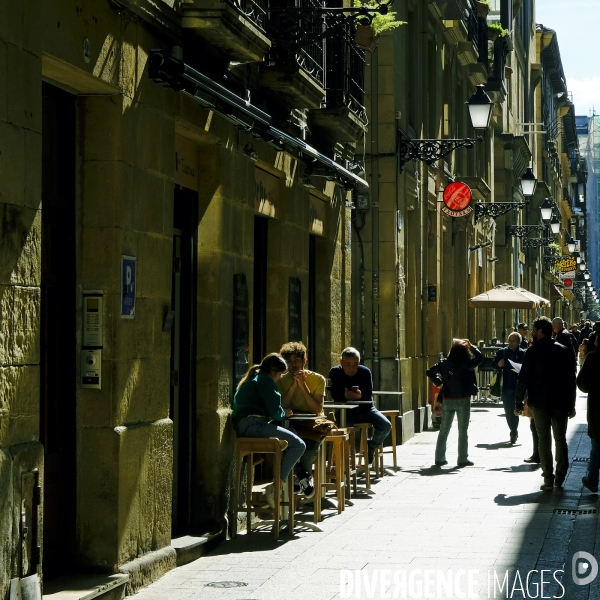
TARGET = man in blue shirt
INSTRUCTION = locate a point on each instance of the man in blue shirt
(509, 381)
(351, 381)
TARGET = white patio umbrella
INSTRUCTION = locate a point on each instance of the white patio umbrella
(542, 302)
(504, 296)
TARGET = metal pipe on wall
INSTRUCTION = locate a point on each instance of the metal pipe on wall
(373, 129)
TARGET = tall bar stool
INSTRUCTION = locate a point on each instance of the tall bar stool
(363, 453)
(246, 447)
(336, 467)
(391, 415)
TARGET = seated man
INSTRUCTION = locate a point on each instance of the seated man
(302, 391)
(352, 381)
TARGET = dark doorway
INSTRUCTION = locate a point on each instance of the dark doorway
(58, 356)
(182, 321)
(312, 303)
(259, 321)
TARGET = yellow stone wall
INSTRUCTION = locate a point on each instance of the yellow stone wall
(126, 127)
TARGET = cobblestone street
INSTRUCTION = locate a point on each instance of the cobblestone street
(490, 519)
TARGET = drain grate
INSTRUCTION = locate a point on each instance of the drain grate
(581, 459)
(564, 511)
(225, 584)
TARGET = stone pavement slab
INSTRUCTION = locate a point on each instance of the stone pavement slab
(487, 526)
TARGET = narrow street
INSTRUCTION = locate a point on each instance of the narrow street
(490, 520)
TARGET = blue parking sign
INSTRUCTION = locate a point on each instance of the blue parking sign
(128, 264)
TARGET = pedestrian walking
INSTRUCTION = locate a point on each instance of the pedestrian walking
(456, 377)
(509, 381)
(548, 378)
(523, 330)
(255, 402)
(588, 381)
(562, 335)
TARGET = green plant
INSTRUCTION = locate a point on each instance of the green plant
(486, 2)
(500, 31)
(554, 249)
(381, 23)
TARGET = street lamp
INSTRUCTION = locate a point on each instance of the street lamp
(555, 225)
(582, 265)
(546, 209)
(480, 108)
(430, 151)
(571, 245)
(528, 182)
(586, 274)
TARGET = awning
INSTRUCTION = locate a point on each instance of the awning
(174, 73)
(560, 292)
(569, 295)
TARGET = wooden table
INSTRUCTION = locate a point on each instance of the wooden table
(378, 393)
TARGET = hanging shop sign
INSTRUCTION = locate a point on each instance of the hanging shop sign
(568, 282)
(457, 199)
(567, 264)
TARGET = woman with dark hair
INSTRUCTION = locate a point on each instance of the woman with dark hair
(256, 402)
(456, 376)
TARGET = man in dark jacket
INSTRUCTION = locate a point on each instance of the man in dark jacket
(523, 330)
(562, 335)
(548, 378)
(585, 332)
(509, 381)
(589, 382)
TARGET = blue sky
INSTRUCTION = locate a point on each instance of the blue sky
(577, 24)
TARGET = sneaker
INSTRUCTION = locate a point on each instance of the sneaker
(466, 463)
(441, 463)
(532, 459)
(514, 437)
(307, 485)
(270, 495)
(589, 486)
(548, 485)
(371, 455)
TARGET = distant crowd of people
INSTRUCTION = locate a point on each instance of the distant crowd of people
(539, 380)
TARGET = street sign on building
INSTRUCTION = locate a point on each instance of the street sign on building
(457, 199)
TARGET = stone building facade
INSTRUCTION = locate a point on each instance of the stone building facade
(155, 241)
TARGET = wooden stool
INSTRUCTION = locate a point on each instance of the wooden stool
(246, 447)
(349, 459)
(391, 415)
(363, 453)
(338, 462)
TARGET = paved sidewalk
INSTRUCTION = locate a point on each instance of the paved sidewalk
(491, 519)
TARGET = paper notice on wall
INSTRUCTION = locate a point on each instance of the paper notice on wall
(516, 367)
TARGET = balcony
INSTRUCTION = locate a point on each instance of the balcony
(497, 54)
(235, 27)
(296, 63)
(343, 116)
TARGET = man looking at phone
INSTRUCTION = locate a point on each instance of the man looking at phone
(351, 382)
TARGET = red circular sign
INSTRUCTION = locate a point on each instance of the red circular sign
(568, 283)
(457, 196)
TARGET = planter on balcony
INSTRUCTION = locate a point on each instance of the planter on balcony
(366, 38)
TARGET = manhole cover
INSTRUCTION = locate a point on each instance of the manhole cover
(225, 584)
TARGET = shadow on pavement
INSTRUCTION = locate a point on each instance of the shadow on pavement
(496, 446)
(526, 468)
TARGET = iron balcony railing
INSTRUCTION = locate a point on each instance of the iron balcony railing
(345, 73)
(296, 37)
(253, 10)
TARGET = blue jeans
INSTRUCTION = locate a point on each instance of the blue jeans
(508, 401)
(594, 467)
(259, 427)
(462, 408)
(381, 424)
